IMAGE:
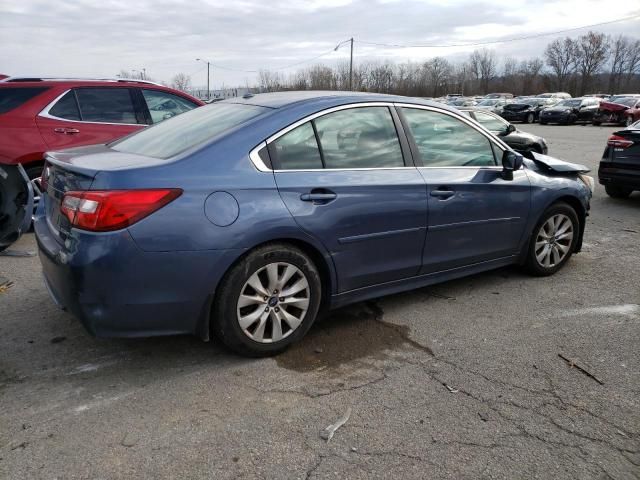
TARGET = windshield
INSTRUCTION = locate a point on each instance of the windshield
(570, 103)
(182, 132)
(487, 103)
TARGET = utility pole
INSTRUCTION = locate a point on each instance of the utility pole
(351, 67)
(208, 76)
(144, 73)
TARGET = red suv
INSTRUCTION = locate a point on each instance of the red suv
(40, 114)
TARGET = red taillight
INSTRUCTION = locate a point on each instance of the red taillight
(106, 210)
(617, 141)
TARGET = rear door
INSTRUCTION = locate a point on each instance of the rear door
(160, 105)
(348, 181)
(475, 215)
(88, 115)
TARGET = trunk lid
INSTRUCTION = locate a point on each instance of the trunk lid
(75, 169)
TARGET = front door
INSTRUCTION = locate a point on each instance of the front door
(344, 179)
(475, 214)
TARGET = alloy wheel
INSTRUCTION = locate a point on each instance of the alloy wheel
(554, 240)
(273, 302)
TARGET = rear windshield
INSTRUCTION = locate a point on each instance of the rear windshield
(11, 98)
(629, 102)
(173, 136)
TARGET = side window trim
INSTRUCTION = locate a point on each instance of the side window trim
(409, 149)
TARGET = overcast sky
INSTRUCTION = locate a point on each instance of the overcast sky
(91, 38)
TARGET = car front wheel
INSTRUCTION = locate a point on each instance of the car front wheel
(267, 301)
(553, 240)
(530, 118)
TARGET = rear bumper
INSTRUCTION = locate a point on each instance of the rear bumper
(117, 290)
(615, 175)
(555, 117)
(516, 116)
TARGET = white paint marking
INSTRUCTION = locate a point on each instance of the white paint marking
(629, 310)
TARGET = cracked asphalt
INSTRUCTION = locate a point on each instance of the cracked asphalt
(459, 380)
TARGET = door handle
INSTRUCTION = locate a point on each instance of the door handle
(442, 194)
(318, 197)
(66, 131)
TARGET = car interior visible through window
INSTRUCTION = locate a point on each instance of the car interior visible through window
(107, 105)
(445, 141)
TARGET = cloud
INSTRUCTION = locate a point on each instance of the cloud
(88, 38)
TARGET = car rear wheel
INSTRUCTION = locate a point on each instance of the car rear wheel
(553, 240)
(267, 301)
(617, 192)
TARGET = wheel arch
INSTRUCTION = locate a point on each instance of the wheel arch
(320, 257)
(574, 202)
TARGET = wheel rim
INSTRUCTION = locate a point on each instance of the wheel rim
(273, 302)
(530, 118)
(629, 121)
(554, 240)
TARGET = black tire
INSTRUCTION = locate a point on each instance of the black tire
(225, 323)
(532, 265)
(615, 191)
(542, 122)
(530, 118)
(595, 123)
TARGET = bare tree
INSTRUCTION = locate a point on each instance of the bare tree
(181, 82)
(633, 62)
(270, 81)
(484, 67)
(561, 57)
(592, 53)
(438, 71)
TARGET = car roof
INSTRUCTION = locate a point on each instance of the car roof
(286, 99)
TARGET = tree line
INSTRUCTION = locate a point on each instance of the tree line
(591, 63)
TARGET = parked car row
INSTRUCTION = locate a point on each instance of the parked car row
(558, 108)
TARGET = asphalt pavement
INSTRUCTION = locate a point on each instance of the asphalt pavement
(499, 375)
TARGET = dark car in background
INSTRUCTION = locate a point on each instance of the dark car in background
(570, 111)
(619, 169)
(526, 110)
(517, 139)
(621, 111)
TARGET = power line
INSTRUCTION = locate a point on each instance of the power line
(493, 42)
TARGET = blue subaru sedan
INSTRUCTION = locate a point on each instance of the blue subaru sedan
(245, 218)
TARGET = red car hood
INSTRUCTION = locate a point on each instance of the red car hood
(612, 107)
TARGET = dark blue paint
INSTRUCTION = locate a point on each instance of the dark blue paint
(376, 232)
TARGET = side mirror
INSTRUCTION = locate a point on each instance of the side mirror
(511, 162)
(510, 129)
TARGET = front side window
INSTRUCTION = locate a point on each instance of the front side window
(490, 122)
(66, 107)
(445, 141)
(106, 105)
(297, 149)
(363, 137)
(180, 133)
(163, 105)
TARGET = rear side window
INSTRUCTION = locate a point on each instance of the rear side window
(362, 137)
(106, 105)
(445, 141)
(66, 107)
(297, 149)
(11, 98)
(180, 133)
